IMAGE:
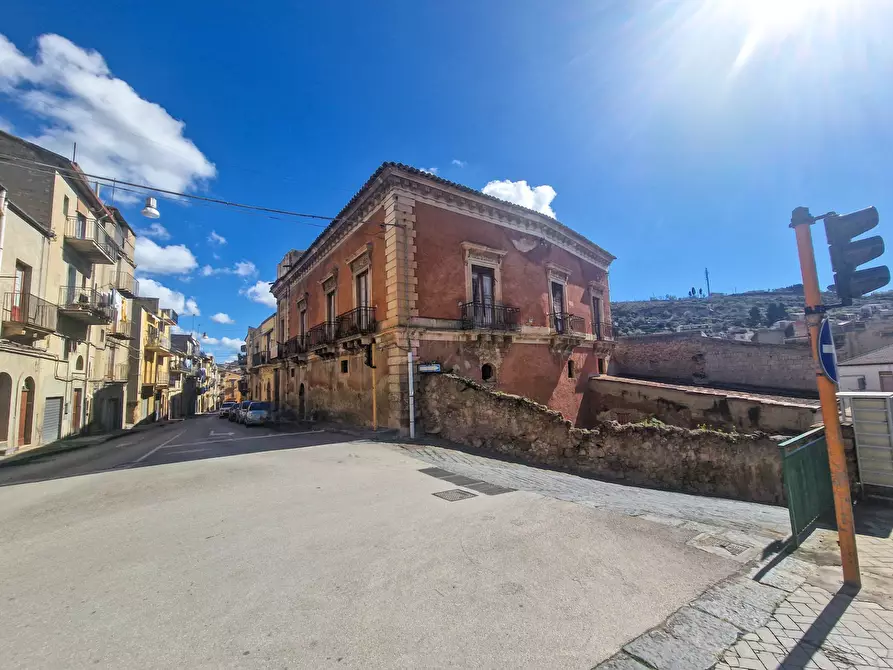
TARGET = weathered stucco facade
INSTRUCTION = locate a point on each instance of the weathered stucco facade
(418, 267)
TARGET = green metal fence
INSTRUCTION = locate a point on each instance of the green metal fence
(807, 481)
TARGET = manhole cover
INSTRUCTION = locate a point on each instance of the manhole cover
(718, 545)
(454, 494)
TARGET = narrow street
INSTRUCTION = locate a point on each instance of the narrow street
(206, 544)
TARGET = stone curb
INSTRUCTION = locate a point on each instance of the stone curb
(64, 446)
(697, 635)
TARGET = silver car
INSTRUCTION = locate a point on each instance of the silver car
(258, 414)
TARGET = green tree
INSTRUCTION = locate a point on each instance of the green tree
(755, 316)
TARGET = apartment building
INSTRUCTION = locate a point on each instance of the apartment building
(207, 383)
(417, 269)
(67, 273)
(262, 362)
(148, 397)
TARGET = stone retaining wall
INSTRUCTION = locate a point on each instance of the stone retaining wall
(632, 400)
(742, 466)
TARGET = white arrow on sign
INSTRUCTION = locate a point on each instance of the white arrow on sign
(213, 434)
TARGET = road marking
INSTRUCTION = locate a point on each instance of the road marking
(214, 434)
(160, 446)
(187, 451)
(253, 437)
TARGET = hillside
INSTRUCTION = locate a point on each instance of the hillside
(720, 312)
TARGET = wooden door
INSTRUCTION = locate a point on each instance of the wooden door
(76, 411)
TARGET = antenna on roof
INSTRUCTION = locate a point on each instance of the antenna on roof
(74, 153)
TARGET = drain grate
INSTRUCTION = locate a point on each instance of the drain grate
(455, 494)
(436, 472)
(489, 489)
(469, 483)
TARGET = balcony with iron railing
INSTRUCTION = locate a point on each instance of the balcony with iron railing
(570, 325)
(603, 330)
(116, 372)
(89, 238)
(126, 284)
(121, 329)
(322, 334)
(489, 316)
(169, 316)
(88, 305)
(358, 321)
(260, 358)
(159, 342)
(294, 346)
(27, 316)
(162, 377)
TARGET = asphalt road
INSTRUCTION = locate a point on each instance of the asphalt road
(195, 438)
(193, 548)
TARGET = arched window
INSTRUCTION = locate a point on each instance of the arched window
(571, 370)
(79, 363)
(5, 405)
(486, 372)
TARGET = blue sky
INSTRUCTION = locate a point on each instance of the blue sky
(677, 135)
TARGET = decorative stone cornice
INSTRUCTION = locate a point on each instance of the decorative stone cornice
(440, 193)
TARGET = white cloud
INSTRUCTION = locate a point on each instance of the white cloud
(459, 163)
(155, 230)
(215, 238)
(119, 134)
(260, 292)
(242, 268)
(221, 317)
(168, 298)
(245, 269)
(430, 170)
(538, 198)
(231, 343)
(154, 259)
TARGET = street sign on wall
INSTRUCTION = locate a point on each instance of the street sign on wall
(827, 353)
(429, 367)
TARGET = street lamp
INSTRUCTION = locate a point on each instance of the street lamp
(150, 211)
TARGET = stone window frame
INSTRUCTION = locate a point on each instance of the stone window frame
(483, 256)
(559, 275)
(329, 284)
(597, 290)
(360, 261)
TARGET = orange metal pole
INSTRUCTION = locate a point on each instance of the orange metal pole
(843, 504)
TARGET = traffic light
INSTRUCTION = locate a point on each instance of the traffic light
(848, 254)
(368, 360)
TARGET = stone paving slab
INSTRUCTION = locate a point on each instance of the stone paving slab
(755, 524)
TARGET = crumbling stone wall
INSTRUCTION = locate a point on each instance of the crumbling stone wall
(632, 400)
(691, 358)
(743, 466)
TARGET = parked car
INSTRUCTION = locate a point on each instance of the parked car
(225, 408)
(242, 411)
(258, 414)
(234, 411)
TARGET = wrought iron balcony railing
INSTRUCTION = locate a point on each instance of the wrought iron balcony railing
(294, 346)
(603, 330)
(30, 311)
(116, 372)
(87, 304)
(359, 321)
(567, 324)
(322, 334)
(489, 316)
(260, 358)
(162, 377)
(156, 340)
(126, 284)
(90, 238)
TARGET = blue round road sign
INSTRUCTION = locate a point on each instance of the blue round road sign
(827, 352)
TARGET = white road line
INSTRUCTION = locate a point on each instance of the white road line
(187, 451)
(239, 439)
(160, 446)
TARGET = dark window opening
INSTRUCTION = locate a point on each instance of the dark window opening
(344, 367)
(602, 368)
(571, 371)
(79, 363)
(486, 372)
(292, 373)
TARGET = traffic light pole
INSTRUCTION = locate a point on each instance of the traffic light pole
(815, 311)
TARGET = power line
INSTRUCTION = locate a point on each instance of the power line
(117, 183)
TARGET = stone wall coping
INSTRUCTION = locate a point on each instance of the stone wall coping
(783, 401)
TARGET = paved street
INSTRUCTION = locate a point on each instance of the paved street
(334, 554)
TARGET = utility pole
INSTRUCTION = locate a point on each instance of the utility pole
(846, 256)
(707, 277)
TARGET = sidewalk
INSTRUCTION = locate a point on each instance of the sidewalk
(780, 611)
(75, 443)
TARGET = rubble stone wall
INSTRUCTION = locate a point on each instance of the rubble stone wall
(742, 466)
(691, 358)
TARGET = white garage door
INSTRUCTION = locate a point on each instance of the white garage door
(52, 420)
